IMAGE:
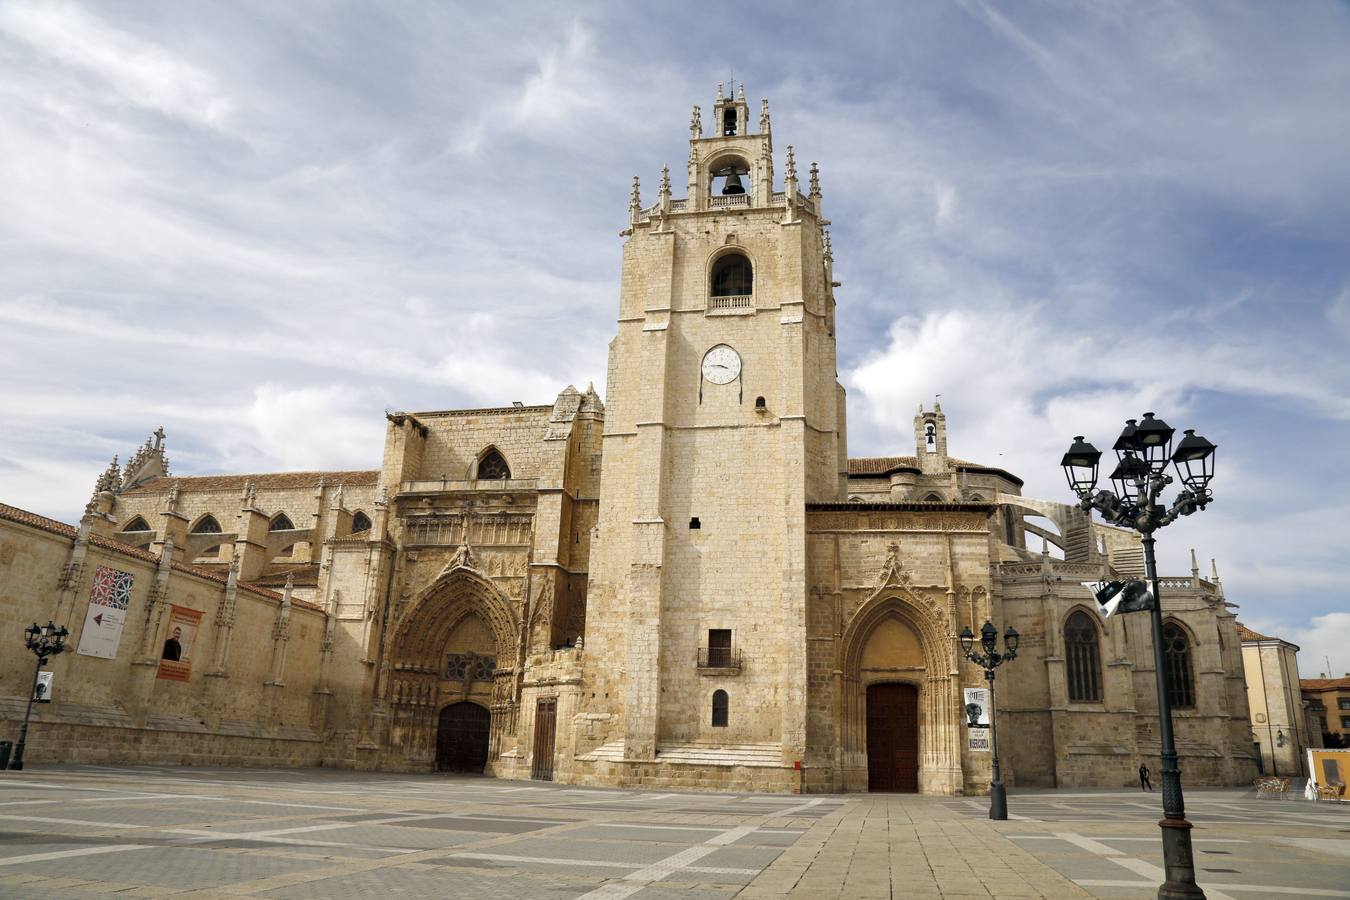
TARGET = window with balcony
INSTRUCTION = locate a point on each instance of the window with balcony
(733, 282)
(719, 654)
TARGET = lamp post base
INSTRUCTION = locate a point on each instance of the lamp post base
(1179, 862)
(998, 801)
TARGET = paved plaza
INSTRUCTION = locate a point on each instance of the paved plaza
(96, 831)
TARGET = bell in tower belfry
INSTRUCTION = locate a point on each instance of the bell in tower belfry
(733, 185)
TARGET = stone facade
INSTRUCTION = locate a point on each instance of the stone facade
(726, 608)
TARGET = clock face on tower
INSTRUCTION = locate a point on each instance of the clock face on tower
(721, 365)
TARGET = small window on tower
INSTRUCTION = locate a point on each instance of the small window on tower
(930, 437)
(729, 121)
(720, 712)
(360, 523)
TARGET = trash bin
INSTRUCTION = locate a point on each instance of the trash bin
(6, 747)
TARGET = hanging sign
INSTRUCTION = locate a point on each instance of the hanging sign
(976, 712)
(108, 601)
(42, 691)
(175, 660)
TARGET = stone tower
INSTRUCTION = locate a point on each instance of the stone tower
(724, 420)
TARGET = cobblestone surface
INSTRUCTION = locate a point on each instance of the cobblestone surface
(86, 831)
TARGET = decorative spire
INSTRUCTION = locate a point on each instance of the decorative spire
(1195, 566)
(665, 182)
(249, 493)
(635, 200)
(829, 248)
(720, 95)
(696, 124)
(740, 91)
(791, 165)
(159, 438)
(173, 497)
(1214, 572)
(110, 480)
(815, 181)
(764, 116)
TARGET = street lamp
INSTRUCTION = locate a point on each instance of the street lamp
(1143, 451)
(990, 660)
(45, 641)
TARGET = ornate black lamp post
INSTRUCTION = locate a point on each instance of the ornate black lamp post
(990, 660)
(1144, 449)
(45, 641)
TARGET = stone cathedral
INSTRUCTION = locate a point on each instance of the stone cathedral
(687, 584)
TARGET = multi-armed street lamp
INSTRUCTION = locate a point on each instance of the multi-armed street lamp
(1144, 449)
(45, 641)
(990, 660)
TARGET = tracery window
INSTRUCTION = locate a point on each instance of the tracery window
(207, 524)
(360, 522)
(1177, 659)
(1082, 654)
(719, 709)
(493, 466)
(137, 524)
(282, 522)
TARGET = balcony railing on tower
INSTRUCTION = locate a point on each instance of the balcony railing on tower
(719, 657)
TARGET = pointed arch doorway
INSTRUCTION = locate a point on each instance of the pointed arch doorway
(462, 738)
(893, 738)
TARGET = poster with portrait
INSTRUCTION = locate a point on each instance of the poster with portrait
(977, 703)
(108, 601)
(180, 638)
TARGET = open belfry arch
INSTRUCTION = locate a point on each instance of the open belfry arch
(690, 583)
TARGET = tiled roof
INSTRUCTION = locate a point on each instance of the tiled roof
(33, 520)
(1246, 634)
(1325, 684)
(262, 481)
(885, 465)
(880, 465)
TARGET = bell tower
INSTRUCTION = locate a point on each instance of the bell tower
(724, 419)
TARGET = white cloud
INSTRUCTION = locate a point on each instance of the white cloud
(1324, 638)
(139, 73)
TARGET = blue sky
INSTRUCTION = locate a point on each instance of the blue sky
(260, 225)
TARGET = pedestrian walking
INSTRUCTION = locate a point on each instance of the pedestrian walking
(1144, 783)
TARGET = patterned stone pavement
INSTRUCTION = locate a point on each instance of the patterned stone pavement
(94, 831)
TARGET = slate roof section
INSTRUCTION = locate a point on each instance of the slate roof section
(264, 481)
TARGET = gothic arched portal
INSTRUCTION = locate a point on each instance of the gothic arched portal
(899, 702)
(424, 675)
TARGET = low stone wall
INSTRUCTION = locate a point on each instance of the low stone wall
(99, 736)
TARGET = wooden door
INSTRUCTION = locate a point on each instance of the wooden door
(545, 727)
(893, 738)
(462, 738)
